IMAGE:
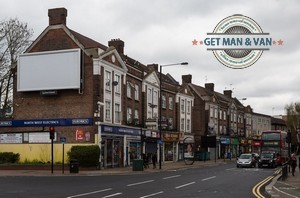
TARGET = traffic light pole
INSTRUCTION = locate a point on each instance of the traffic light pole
(52, 134)
(52, 165)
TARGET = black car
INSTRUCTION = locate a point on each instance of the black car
(267, 159)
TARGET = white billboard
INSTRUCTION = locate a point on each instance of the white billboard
(50, 70)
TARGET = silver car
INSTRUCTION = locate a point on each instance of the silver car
(246, 160)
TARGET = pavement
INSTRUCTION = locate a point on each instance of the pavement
(288, 188)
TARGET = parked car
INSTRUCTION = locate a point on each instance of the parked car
(246, 160)
(267, 159)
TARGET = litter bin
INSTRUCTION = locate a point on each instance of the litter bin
(138, 165)
(74, 166)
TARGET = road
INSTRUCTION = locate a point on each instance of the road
(215, 181)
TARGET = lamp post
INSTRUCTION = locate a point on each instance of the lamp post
(242, 99)
(160, 105)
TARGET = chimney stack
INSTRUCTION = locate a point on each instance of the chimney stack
(153, 66)
(228, 93)
(118, 44)
(210, 87)
(186, 78)
(57, 16)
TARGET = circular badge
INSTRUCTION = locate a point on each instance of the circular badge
(232, 26)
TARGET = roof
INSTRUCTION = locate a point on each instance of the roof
(87, 42)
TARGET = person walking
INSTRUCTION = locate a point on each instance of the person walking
(154, 160)
(145, 160)
(293, 163)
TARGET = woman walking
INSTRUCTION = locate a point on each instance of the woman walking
(293, 163)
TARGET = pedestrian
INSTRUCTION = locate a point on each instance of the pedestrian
(293, 163)
(154, 160)
(145, 160)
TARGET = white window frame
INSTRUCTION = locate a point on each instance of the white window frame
(129, 114)
(107, 80)
(149, 95)
(155, 97)
(117, 113)
(170, 121)
(182, 105)
(182, 124)
(128, 89)
(188, 125)
(136, 92)
(107, 110)
(171, 103)
(164, 101)
(188, 106)
(117, 87)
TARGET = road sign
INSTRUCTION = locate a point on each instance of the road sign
(159, 141)
(63, 139)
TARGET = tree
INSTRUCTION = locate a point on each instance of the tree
(14, 40)
(293, 121)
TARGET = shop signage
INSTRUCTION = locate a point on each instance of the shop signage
(224, 140)
(120, 130)
(47, 122)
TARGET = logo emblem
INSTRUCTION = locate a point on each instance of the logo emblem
(241, 26)
(237, 41)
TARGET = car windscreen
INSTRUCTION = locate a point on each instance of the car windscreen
(245, 156)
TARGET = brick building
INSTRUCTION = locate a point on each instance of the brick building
(95, 94)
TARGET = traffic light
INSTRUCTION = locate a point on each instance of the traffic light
(289, 137)
(52, 132)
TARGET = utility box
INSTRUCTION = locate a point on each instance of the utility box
(74, 166)
(138, 165)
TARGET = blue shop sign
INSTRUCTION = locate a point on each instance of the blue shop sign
(120, 130)
(47, 122)
(224, 140)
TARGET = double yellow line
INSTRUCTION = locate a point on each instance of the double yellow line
(256, 188)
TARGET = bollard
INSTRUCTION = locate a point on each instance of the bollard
(284, 171)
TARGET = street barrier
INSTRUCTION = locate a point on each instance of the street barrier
(284, 171)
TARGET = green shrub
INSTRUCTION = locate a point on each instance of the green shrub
(86, 155)
(9, 157)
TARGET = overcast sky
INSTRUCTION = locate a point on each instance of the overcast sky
(162, 31)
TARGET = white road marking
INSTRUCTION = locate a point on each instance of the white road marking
(94, 192)
(185, 185)
(152, 194)
(230, 168)
(112, 195)
(134, 184)
(172, 177)
(208, 178)
(284, 192)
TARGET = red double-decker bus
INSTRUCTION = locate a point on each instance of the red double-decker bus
(275, 142)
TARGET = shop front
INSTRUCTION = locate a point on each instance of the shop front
(120, 145)
(170, 146)
(186, 146)
(224, 146)
(256, 145)
(234, 141)
(245, 145)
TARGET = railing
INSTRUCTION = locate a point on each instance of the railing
(284, 170)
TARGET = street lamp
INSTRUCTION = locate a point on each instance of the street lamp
(160, 105)
(242, 99)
